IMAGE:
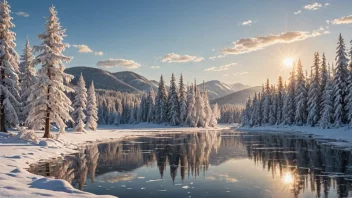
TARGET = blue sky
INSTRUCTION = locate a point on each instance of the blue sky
(138, 34)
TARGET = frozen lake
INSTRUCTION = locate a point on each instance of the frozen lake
(213, 164)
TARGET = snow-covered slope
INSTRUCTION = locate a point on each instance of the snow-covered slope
(217, 89)
(137, 81)
(239, 86)
(237, 98)
(102, 79)
(120, 81)
(127, 81)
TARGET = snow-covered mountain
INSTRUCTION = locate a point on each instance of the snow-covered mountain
(127, 81)
(120, 81)
(136, 80)
(237, 98)
(217, 89)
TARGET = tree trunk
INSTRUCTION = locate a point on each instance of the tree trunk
(47, 126)
(2, 119)
(2, 107)
(47, 119)
(48, 109)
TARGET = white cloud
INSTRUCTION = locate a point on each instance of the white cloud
(215, 57)
(298, 12)
(221, 68)
(225, 75)
(128, 64)
(99, 53)
(83, 48)
(247, 45)
(248, 22)
(155, 67)
(342, 20)
(241, 73)
(314, 6)
(176, 58)
(327, 4)
(20, 13)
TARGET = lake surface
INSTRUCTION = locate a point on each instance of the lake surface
(213, 164)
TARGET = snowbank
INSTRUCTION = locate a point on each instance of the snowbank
(16, 154)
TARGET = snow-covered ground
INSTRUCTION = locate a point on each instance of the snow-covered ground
(338, 136)
(16, 155)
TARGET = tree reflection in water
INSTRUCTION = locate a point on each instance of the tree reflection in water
(301, 162)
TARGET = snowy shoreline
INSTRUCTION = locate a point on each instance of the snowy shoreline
(16, 155)
(341, 137)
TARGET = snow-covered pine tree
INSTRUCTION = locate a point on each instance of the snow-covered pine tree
(49, 102)
(151, 106)
(285, 105)
(327, 104)
(324, 78)
(280, 100)
(191, 111)
(92, 109)
(145, 108)
(273, 106)
(173, 103)
(27, 79)
(199, 107)
(301, 96)
(266, 103)
(9, 70)
(247, 113)
(102, 112)
(323, 72)
(314, 95)
(332, 71)
(183, 101)
(207, 108)
(79, 105)
(340, 84)
(215, 116)
(161, 103)
(291, 90)
(132, 119)
(140, 110)
(253, 118)
(348, 99)
(307, 81)
(259, 110)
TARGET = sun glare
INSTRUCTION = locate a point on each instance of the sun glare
(288, 62)
(287, 178)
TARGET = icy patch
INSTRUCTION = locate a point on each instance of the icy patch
(154, 180)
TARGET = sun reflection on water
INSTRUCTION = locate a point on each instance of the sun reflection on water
(287, 178)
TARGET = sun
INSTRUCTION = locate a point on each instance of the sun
(288, 62)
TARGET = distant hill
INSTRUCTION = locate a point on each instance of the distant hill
(217, 89)
(239, 86)
(127, 81)
(137, 81)
(120, 81)
(237, 98)
(102, 79)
